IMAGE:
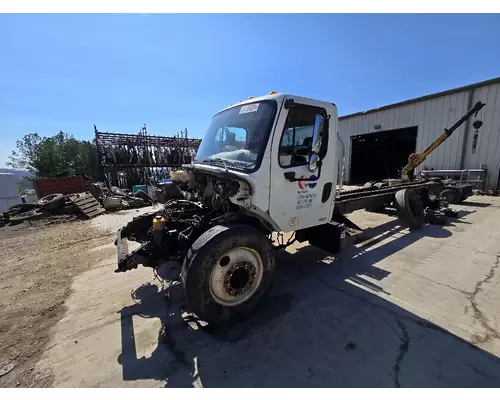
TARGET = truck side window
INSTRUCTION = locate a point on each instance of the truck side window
(296, 142)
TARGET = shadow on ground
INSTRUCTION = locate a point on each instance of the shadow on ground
(475, 204)
(314, 329)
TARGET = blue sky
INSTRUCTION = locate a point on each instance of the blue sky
(67, 72)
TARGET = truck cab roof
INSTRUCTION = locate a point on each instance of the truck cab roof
(275, 96)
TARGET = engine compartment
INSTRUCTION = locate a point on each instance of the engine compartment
(197, 201)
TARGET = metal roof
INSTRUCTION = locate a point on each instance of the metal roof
(426, 97)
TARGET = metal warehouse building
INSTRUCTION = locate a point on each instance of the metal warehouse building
(379, 141)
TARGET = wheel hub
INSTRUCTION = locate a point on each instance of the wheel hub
(236, 276)
(239, 278)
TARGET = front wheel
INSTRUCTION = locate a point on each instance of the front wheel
(226, 272)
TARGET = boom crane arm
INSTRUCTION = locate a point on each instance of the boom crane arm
(418, 158)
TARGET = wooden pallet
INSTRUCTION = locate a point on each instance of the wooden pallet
(87, 204)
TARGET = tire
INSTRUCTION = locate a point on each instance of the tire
(409, 208)
(21, 208)
(25, 216)
(207, 288)
(451, 196)
(51, 202)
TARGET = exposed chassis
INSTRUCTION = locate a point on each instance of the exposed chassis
(374, 197)
(149, 253)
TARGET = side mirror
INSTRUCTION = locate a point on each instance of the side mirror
(313, 162)
(318, 128)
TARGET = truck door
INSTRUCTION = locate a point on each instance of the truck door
(297, 204)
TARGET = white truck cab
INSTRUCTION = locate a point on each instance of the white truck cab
(285, 148)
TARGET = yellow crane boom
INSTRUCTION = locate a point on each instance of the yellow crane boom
(418, 158)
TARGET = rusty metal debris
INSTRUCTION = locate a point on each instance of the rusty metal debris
(54, 205)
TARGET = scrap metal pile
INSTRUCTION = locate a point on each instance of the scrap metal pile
(90, 204)
(52, 207)
(115, 198)
(125, 160)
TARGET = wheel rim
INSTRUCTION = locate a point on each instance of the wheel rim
(449, 197)
(236, 276)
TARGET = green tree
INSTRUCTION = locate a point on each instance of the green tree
(26, 156)
(55, 156)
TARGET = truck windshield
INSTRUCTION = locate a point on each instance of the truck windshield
(236, 138)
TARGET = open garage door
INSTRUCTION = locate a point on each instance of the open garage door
(381, 155)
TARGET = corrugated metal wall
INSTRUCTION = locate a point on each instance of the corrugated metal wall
(488, 146)
(431, 116)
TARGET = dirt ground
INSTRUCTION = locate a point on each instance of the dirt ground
(37, 266)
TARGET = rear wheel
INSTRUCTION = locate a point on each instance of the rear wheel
(226, 272)
(451, 196)
(409, 208)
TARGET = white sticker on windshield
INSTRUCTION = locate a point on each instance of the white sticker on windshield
(249, 108)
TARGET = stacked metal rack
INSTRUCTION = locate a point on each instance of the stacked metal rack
(141, 158)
